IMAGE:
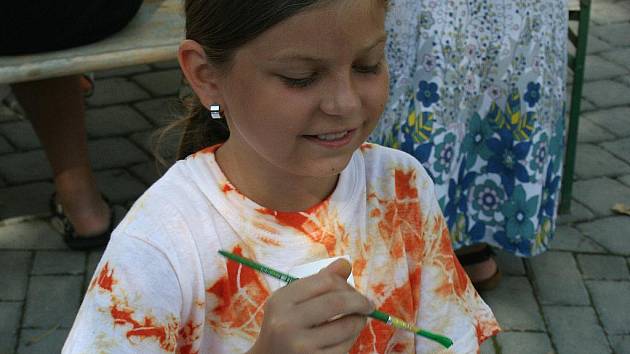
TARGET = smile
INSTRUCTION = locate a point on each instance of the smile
(332, 140)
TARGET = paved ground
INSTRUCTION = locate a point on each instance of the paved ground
(573, 299)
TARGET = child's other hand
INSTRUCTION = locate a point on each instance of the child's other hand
(298, 316)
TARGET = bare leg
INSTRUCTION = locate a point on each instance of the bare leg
(55, 108)
(480, 271)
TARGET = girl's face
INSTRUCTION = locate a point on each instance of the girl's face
(305, 94)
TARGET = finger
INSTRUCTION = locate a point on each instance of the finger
(340, 335)
(341, 267)
(313, 286)
(327, 306)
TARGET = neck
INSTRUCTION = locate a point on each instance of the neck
(269, 186)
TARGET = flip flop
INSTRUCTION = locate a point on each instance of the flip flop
(477, 257)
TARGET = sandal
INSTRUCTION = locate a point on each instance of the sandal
(477, 257)
(87, 84)
(74, 241)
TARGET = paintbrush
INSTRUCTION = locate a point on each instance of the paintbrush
(378, 315)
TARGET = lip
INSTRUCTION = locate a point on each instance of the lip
(335, 144)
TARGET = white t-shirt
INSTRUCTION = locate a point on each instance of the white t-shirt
(161, 286)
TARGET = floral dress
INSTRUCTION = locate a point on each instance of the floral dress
(478, 97)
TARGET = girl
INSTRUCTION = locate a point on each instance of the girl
(301, 85)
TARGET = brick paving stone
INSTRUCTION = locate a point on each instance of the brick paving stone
(10, 313)
(119, 186)
(598, 68)
(166, 144)
(160, 111)
(113, 153)
(14, 275)
(514, 305)
(487, 347)
(125, 71)
(606, 93)
(620, 148)
(32, 235)
(42, 341)
(147, 172)
(615, 34)
(575, 330)
(609, 12)
(170, 64)
(114, 120)
(7, 343)
(593, 161)
(615, 120)
(620, 56)
(570, 239)
(621, 343)
(599, 194)
(525, 343)
(21, 135)
(625, 79)
(58, 262)
(160, 83)
(590, 132)
(558, 281)
(5, 147)
(509, 263)
(595, 45)
(612, 302)
(27, 199)
(611, 232)
(92, 262)
(625, 180)
(52, 301)
(578, 213)
(25, 167)
(603, 267)
(116, 90)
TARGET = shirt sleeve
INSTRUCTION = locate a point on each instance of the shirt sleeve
(450, 304)
(132, 304)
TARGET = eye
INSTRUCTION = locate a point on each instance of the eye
(368, 69)
(298, 82)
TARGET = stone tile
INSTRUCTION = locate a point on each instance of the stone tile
(620, 56)
(578, 213)
(161, 111)
(599, 194)
(524, 343)
(614, 34)
(116, 90)
(147, 172)
(590, 132)
(27, 199)
(31, 234)
(119, 186)
(145, 140)
(52, 301)
(611, 232)
(570, 239)
(595, 45)
(14, 275)
(603, 267)
(21, 135)
(593, 161)
(115, 120)
(612, 302)
(609, 12)
(113, 153)
(164, 143)
(625, 79)
(58, 262)
(487, 347)
(598, 68)
(625, 180)
(5, 147)
(620, 148)
(509, 263)
(93, 258)
(606, 93)
(557, 279)
(10, 312)
(169, 64)
(160, 83)
(575, 330)
(621, 344)
(7, 343)
(615, 120)
(42, 341)
(25, 167)
(514, 305)
(124, 71)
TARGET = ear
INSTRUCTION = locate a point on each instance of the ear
(201, 75)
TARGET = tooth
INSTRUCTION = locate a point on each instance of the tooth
(332, 136)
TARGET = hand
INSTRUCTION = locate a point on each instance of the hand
(303, 317)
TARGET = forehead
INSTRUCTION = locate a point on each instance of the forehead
(331, 29)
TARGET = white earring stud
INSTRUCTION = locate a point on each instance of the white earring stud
(215, 111)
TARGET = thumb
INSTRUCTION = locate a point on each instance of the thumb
(341, 267)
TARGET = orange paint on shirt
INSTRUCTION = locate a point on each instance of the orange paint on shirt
(227, 188)
(241, 294)
(268, 241)
(405, 183)
(188, 335)
(358, 266)
(105, 279)
(147, 329)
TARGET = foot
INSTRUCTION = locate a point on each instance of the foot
(480, 271)
(90, 216)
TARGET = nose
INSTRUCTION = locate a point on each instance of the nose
(340, 97)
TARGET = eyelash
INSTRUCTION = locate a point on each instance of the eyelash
(304, 82)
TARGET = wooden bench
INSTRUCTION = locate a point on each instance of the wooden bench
(152, 36)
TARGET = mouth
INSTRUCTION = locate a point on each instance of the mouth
(335, 139)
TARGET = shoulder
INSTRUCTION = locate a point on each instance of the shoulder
(387, 164)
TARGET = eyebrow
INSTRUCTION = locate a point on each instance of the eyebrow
(315, 60)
